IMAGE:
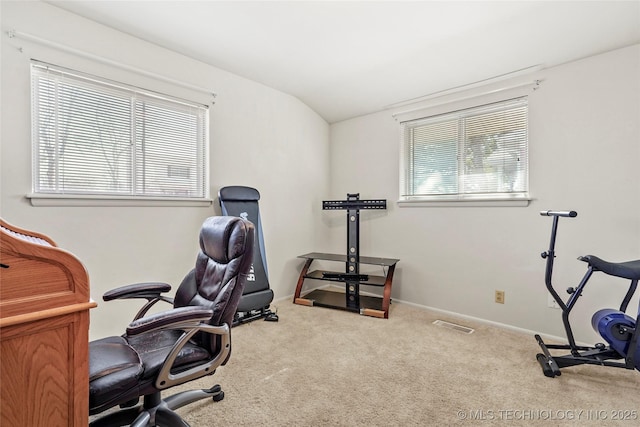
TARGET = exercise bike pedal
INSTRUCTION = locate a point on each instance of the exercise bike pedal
(550, 368)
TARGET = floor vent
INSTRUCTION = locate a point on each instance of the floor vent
(453, 326)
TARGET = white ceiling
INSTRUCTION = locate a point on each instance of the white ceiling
(348, 58)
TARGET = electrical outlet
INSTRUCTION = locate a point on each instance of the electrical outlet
(551, 302)
(500, 297)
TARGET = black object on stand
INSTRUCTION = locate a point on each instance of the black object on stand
(257, 295)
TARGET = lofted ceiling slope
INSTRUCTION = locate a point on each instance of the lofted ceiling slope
(348, 58)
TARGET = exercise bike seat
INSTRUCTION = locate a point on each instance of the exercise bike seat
(627, 270)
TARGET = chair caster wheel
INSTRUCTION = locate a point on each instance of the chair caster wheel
(218, 397)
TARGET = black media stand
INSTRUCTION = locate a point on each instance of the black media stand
(350, 300)
(367, 305)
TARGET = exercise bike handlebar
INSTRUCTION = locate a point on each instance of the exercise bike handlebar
(550, 254)
(570, 214)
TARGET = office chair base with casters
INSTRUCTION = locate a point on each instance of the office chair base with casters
(157, 412)
(169, 348)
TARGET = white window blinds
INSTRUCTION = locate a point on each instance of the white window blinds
(476, 153)
(96, 137)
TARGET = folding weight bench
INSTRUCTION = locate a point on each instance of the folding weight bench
(254, 303)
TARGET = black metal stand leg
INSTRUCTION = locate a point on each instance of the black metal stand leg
(352, 294)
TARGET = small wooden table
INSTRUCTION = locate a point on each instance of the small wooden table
(350, 300)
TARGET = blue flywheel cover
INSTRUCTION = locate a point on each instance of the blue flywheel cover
(605, 323)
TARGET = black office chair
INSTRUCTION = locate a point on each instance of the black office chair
(173, 347)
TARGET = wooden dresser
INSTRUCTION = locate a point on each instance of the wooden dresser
(44, 332)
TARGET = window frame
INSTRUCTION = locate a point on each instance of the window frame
(459, 198)
(198, 125)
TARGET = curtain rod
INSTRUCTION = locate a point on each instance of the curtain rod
(468, 86)
(535, 84)
(82, 53)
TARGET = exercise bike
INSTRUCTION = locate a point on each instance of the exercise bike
(616, 327)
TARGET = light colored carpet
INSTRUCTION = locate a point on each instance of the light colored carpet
(318, 366)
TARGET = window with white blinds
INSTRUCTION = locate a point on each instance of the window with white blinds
(92, 136)
(479, 153)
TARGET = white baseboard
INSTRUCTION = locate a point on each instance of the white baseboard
(484, 321)
(454, 314)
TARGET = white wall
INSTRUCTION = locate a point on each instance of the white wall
(584, 155)
(259, 137)
(584, 152)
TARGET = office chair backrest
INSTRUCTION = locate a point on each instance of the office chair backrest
(222, 265)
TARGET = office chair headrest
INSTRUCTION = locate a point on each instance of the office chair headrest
(223, 232)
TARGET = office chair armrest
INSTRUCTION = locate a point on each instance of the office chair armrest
(190, 320)
(178, 318)
(137, 290)
(168, 378)
(151, 291)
